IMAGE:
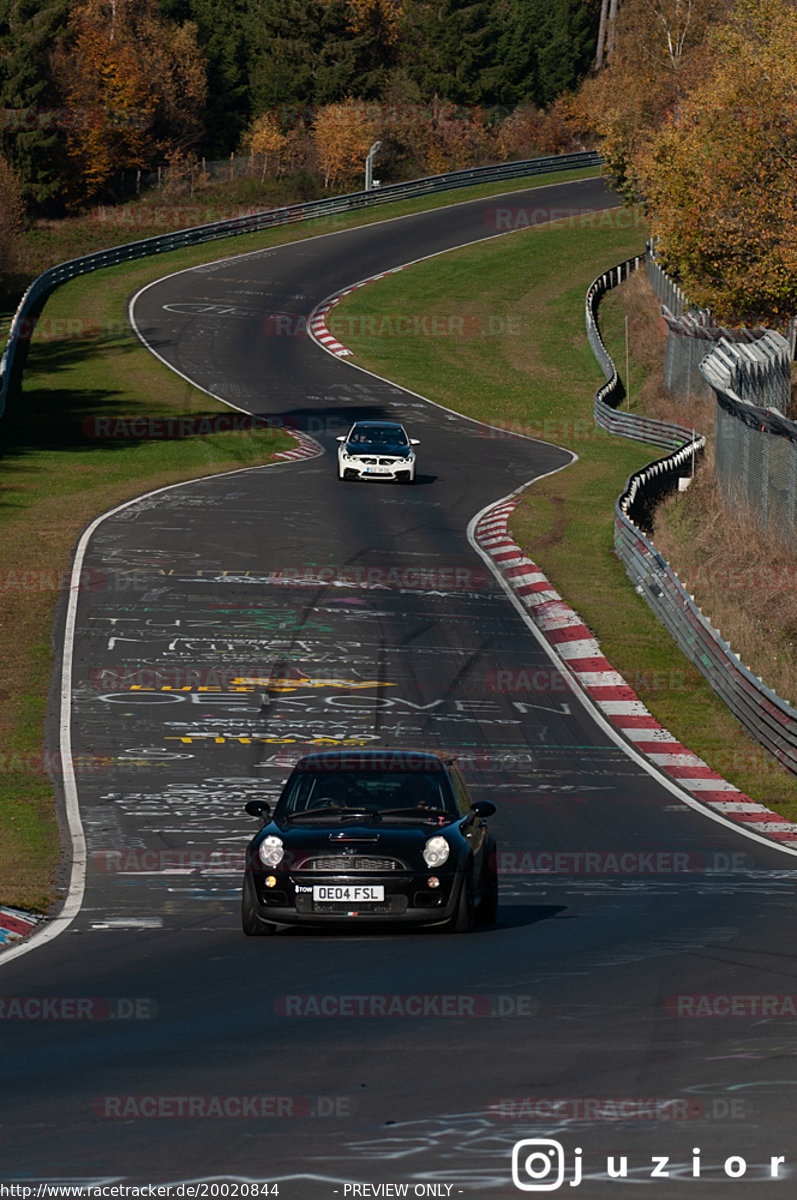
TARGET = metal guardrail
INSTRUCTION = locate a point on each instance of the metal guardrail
(757, 373)
(766, 716)
(606, 414)
(771, 720)
(31, 304)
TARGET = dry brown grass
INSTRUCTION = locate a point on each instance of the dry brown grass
(743, 581)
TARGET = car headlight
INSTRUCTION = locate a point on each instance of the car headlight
(435, 852)
(270, 851)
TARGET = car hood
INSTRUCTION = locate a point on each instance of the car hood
(387, 450)
(340, 838)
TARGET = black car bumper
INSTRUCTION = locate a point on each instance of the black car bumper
(409, 900)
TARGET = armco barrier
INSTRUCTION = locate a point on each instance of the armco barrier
(757, 373)
(12, 362)
(606, 414)
(768, 718)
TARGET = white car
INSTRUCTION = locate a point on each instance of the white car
(377, 450)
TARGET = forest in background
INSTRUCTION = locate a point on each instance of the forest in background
(92, 90)
(692, 102)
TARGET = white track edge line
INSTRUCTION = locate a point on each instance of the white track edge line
(670, 784)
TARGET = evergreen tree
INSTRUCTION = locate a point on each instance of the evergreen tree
(565, 38)
(508, 52)
(32, 123)
(512, 78)
(448, 49)
(307, 53)
(223, 27)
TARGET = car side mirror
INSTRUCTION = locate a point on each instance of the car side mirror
(258, 808)
(415, 441)
(482, 808)
(342, 438)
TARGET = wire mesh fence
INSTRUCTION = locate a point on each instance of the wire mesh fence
(755, 465)
(749, 372)
(771, 720)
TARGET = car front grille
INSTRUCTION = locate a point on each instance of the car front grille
(344, 864)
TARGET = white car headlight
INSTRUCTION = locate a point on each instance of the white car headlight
(270, 851)
(435, 852)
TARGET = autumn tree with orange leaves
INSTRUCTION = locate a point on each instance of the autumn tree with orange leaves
(134, 85)
(719, 179)
(343, 134)
(265, 139)
(658, 52)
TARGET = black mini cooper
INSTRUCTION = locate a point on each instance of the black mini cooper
(387, 836)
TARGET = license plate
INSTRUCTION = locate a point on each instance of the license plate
(377, 470)
(354, 893)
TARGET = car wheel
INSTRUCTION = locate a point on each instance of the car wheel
(488, 905)
(252, 924)
(462, 920)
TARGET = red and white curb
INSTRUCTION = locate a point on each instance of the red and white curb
(317, 324)
(573, 642)
(16, 924)
(320, 332)
(307, 448)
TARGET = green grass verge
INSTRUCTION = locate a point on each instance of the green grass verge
(54, 480)
(57, 241)
(511, 348)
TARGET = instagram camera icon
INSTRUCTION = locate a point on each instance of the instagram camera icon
(538, 1165)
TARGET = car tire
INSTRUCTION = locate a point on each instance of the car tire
(488, 904)
(462, 920)
(252, 923)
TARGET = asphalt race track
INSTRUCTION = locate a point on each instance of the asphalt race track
(635, 1000)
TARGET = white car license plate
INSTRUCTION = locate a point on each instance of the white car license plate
(377, 470)
(351, 893)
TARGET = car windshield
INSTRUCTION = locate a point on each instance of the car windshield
(375, 795)
(374, 435)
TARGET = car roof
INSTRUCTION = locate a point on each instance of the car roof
(372, 759)
(379, 424)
